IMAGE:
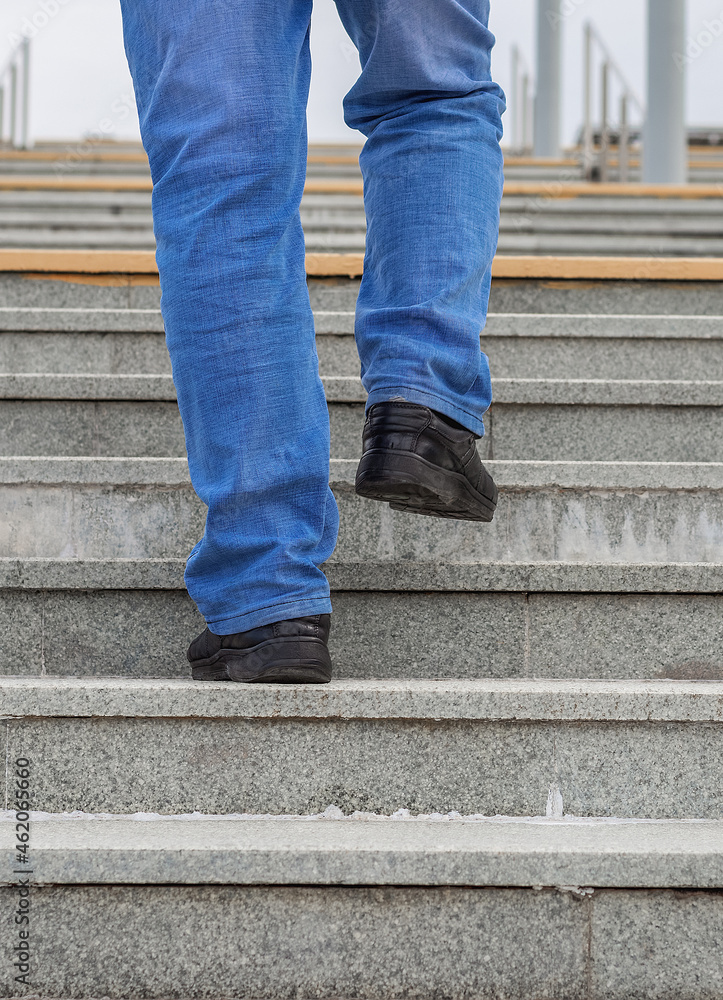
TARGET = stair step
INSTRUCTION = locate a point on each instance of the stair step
(35, 573)
(530, 419)
(368, 849)
(348, 389)
(282, 942)
(521, 324)
(145, 509)
(492, 747)
(145, 633)
(523, 345)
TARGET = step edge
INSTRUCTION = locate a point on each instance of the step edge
(374, 851)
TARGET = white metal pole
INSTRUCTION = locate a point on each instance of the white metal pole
(13, 104)
(25, 95)
(665, 144)
(515, 100)
(587, 146)
(547, 98)
(604, 118)
(623, 142)
(525, 102)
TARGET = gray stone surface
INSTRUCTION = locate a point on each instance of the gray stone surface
(514, 432)
(623, 329)
(21, 291)
(284, 943)
(625, 635)
(511, 476)
(111, 353)
(576, 297)
(109, 471)
(670, 770)
(667, 578)
(481, 700)
(369, 850)
(126, 633)
(428, 635)
(247, 765)
(68, 319)
(21, 632)
(513, 748)
(86, 427)
(516, 295)
(605, 433)
(93, 387)
(507, 295)
(336, 222)
(384, 575)
(100, 633)
(656, 946)
(601, 357)
(139, 633)
(97, 520)
(518, 346)
(348, 389)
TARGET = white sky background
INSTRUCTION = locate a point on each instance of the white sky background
(80, 79)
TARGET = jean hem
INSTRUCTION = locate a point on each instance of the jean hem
(423, 397)
(273, 613)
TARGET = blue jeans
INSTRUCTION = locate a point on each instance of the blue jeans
(221, 88)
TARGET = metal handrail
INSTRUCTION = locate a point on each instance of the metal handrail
(520, 100)
(17, 71)
(628, 97)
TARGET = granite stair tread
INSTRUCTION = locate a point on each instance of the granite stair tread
(368, 849)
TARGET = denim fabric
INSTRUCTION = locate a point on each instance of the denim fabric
(221, 88)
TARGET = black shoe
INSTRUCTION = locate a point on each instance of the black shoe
(421, 462)
(290, 652)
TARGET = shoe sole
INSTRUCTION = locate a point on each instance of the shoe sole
(288, 660)
(409, 483)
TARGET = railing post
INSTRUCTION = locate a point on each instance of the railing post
(547, 98)
(515, 99)
(665, 150)
(623, 142)
(2, 114)
(604, 116)
(587, 144)
(13, 104)
(525, 112)
(25, 95)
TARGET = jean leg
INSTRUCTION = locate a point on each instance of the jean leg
(432, 169)
(221, 88)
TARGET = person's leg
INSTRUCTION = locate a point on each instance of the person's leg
(432, 171)
(221, 87)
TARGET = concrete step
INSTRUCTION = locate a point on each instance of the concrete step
(345, 213)
(326, 239)
(526, 345)
(613, 933)
(648, 514)
(491, 747)
(548, 202)
(348, 389)
(514, 295)
(334, 222)
(368, 849)
(530, 419)
(119, 627)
